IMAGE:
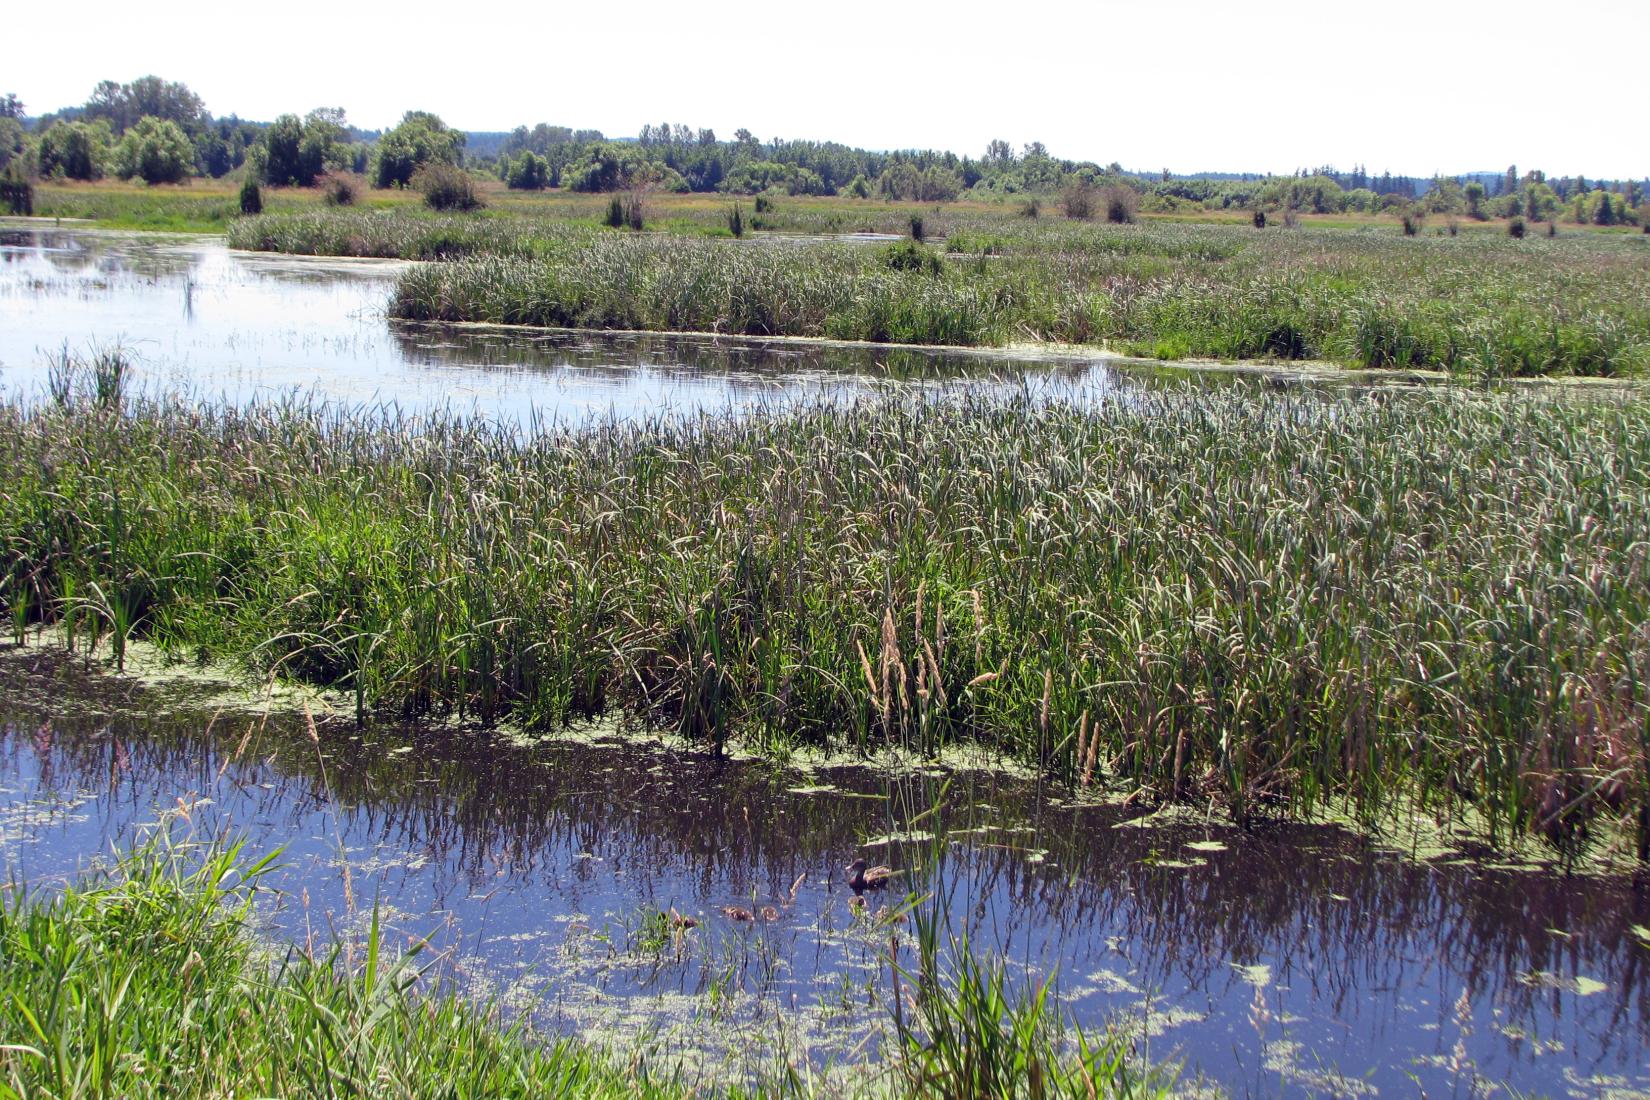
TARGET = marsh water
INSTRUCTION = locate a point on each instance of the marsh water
(1285, 960)
(197, 317)
(1290, 960)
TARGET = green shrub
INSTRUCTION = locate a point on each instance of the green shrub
(343, 188)
(1122, 203)
(419, 140)
(156, 150)
(764, 205)
(1516, 228)
(1031, 208)
(16, 191)
(1080, 199)
(528, 172)
(76, 150)
(1260, 219)
(446, 187)
(917, 230)
(252, 197)
(736, 221)
(615, 213)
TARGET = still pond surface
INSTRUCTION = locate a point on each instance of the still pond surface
(199, 318)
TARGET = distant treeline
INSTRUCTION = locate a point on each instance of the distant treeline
(161, 131)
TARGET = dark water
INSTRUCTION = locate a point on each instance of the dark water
(1292, 960)
(200, 318)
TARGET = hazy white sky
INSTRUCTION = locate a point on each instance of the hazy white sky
(1189, 86)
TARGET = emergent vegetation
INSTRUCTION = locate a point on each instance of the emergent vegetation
(1278, 602)
(1477, 304)
(146, 980)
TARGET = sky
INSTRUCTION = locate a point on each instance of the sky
(1189, 86)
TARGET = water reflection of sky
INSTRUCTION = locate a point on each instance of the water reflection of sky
(1293, 960)
(199, 318)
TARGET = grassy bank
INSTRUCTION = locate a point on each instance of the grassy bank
(202, 206)
(1480, 305)
(1275, 602)
(146, 980)
(409, 235)
(673, 284)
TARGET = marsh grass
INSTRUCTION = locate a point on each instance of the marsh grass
(1279, 603)
(399, 234)
(1478, 304)
(146, 978)
(970, 1032)
(842, 291)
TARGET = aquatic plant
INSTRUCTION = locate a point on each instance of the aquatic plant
(397, 234)
(972, 1034)
(1155, 291)
(145, 978)
(1281, 602)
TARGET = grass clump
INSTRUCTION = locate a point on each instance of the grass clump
(1273, 603)
(145, 980)
(1575, 306)
(971, 1034)
(911, 256)
(396, 234)
(664, 283)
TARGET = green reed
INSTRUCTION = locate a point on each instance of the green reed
(1480, 304)
(1280, 602)
(410, 235)
(146, 978)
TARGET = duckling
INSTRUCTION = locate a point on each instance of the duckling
(768, 912)
(738, 913)
(862, 877)
(681, 920)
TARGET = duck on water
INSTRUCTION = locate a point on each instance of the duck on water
(862, 876)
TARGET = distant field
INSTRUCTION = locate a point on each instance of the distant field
(1460, 296)
(204, 205)
(1477, 304)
